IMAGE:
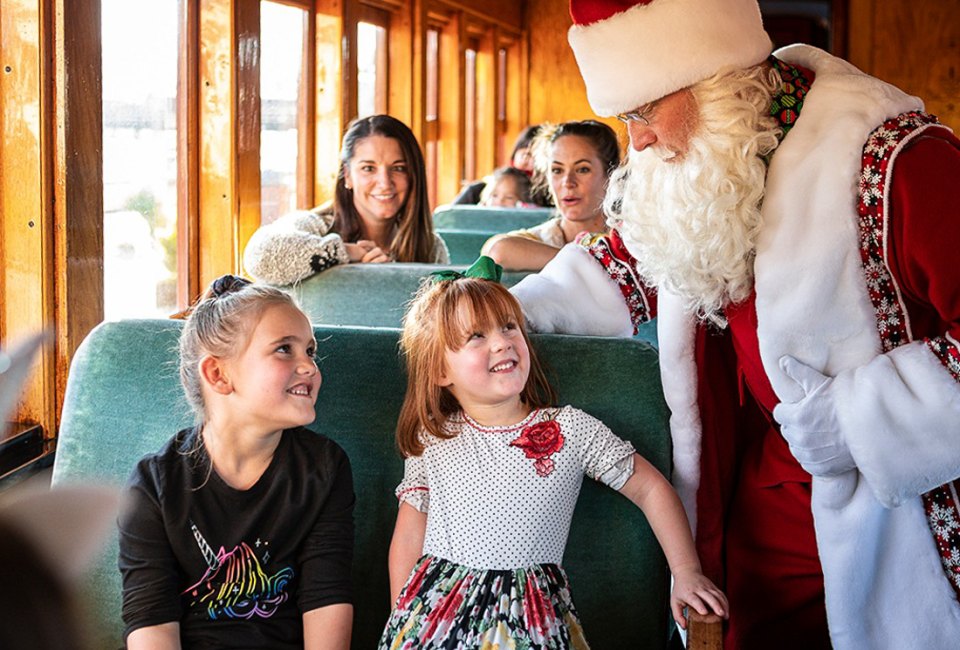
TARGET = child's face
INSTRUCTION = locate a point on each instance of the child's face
(275, 378)
(505, 194)
(523, 159)
(490, 369)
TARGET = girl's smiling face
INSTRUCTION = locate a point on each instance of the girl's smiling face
(275, 375)
(490, 369)
(505, 194)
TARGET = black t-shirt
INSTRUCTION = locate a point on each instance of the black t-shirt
(237, 568)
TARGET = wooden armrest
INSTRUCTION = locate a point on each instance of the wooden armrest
(704, 631)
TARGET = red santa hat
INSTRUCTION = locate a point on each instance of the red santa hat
(632, 52)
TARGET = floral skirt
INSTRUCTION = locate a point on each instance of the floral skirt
(452, 607)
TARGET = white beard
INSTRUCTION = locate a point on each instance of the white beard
(692, 223)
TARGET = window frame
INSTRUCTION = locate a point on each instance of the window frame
(54, 255)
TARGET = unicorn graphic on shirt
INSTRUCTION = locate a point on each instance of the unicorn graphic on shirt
(235, 585)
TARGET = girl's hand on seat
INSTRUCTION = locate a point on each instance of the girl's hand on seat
(693, 589)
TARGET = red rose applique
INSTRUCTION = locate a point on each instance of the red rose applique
(540, 441)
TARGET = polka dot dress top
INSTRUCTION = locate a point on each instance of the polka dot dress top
(503, 497)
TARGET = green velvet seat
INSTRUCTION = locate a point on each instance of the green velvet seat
(123, 400)
(373, 295)
(464, 245)
(481, 218)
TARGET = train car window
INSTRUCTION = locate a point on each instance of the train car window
(139, 159)
(501, 84)
(281, 71)
(371, 69)
(470, 114)
(432, 110)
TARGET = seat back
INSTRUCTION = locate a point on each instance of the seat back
(464, 245)
(371, 295)
(484, 219)
(123, 401)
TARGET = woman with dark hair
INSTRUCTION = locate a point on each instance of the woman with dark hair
(576, 159)
(379, 213)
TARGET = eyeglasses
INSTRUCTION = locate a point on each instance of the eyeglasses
(640, 115)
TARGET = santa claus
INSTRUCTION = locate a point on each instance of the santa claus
(791, 223)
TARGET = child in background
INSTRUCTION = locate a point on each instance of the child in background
(239, 532)
(493, 470)
(507, 187)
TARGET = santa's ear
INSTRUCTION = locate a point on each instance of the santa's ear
(214, 375)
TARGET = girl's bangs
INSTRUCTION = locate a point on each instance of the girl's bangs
(476, 306)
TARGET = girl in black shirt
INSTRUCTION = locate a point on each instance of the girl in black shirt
(239, 532)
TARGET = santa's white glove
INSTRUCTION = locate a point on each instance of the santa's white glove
(810, 425)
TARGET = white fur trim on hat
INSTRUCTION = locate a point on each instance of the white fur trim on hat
(652, 50)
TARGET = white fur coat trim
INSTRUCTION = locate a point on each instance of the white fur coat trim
(676, 335)
(651, 50)
(573, 293)
(885, 586)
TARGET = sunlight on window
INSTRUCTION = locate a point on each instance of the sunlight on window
(371, 69)
(432, 108)
(470, 116)
(281, 65)
(501, 84)
(139, 158)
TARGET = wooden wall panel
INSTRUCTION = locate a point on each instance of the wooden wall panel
(329, 93)
(557, 93)
(450, 150)
(915, 46)
(556, 90)
(506, 13)
(486, 141)
(188, 157)
(218, 200)
(247, 123)
(401, 61)
(26, 211)
(78, 179)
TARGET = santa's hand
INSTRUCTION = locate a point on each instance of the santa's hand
(810, 425)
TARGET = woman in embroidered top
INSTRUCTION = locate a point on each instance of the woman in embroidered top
(484, 443)
(239, 531)
(380, 211)
(576, 159)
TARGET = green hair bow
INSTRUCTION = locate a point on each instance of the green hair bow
(484, 268)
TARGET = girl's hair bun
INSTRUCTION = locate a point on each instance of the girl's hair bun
(226, 284)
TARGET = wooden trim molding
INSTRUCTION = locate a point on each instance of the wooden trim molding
(27, 301)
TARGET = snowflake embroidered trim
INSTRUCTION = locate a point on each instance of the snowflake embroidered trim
(940, 504)
(878, 154)
(947, 351)
(622, 272)
(893, 324)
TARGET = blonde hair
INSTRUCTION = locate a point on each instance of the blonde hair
(434, 324)
(220, 324)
